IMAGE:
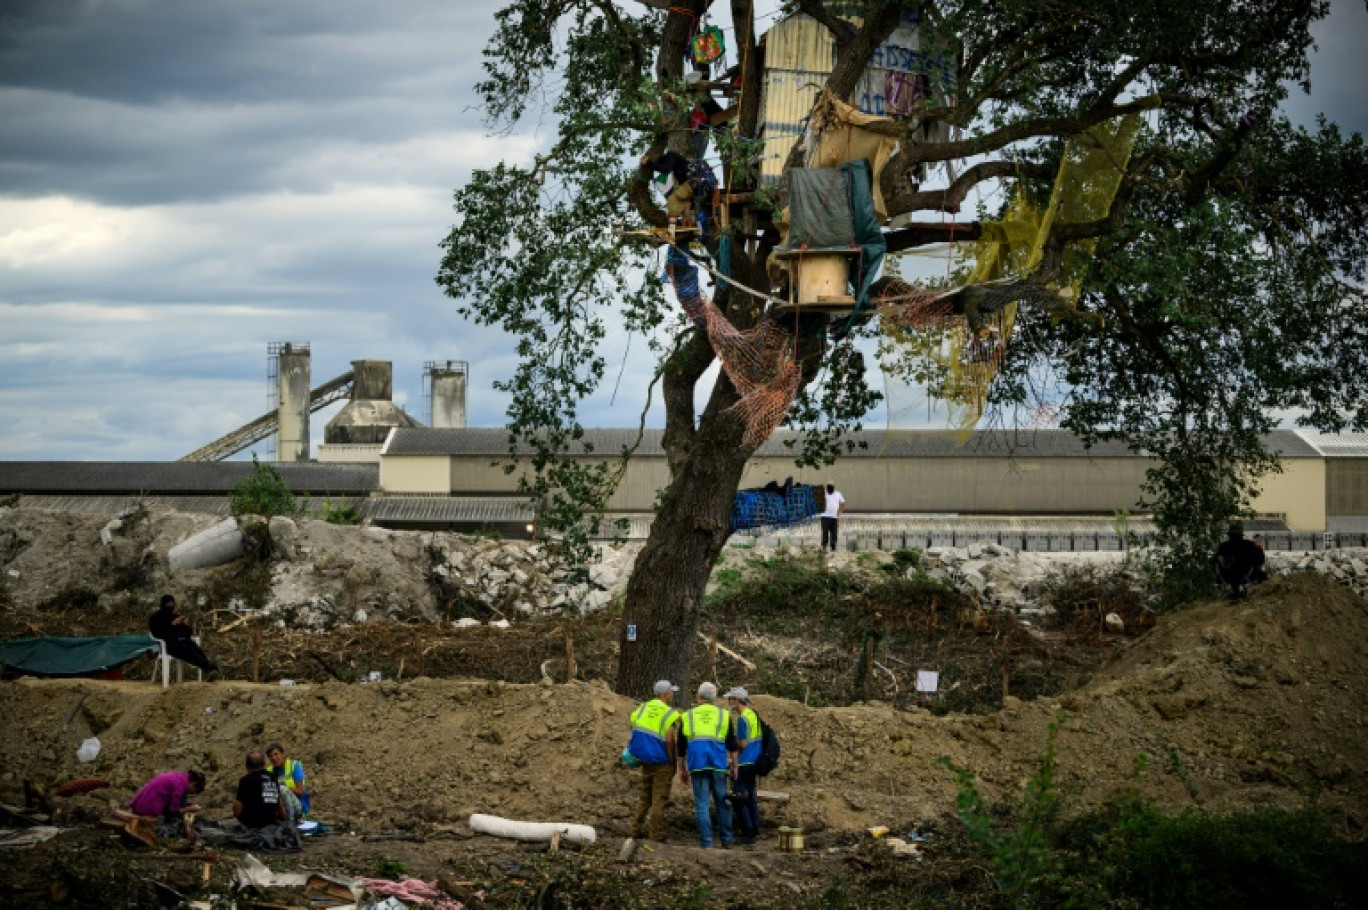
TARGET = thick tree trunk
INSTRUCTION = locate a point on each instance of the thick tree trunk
(665, 593)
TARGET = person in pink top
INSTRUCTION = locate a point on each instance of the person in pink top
(165, 794)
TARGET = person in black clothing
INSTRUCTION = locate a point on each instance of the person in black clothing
(258, 801)
(174, 629)
(1239, 562)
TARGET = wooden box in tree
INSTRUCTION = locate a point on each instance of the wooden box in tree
(822, 279)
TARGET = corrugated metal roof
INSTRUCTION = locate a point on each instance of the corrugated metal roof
(799, 55)
(431, 509)
(1336, 445)
(150, 477)
(493, 443)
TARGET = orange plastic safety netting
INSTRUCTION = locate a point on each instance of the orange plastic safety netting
(760, 362)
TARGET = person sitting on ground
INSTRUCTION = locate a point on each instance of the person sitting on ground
(258, 803)
(175, 630)
(290, 775)
(1239, 562)
(163, 797)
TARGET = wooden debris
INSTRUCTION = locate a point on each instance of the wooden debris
(727, 651)
(774, 795)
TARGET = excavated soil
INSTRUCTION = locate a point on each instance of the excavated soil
(1219, 707)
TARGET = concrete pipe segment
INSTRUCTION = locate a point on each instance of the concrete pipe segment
(211, 547)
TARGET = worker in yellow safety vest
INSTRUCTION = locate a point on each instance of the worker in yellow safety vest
(707, 756)
(653, 745)
(748, 737)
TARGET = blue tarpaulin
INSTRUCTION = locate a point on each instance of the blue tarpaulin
(756, 509)
(74, 656)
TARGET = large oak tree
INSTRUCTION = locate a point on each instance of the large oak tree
(1223, 292)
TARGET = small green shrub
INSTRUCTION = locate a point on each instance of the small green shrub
(263, 492)
(340, 514)
(1019, 850)
(392, 869)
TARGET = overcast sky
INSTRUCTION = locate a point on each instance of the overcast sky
(184, 181)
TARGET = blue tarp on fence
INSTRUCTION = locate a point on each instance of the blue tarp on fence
(757, 509)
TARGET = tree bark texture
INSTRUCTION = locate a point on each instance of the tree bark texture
(664, 596)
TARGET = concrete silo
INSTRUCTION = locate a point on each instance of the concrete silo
(446, 381)
(367, 419)
(291, 364)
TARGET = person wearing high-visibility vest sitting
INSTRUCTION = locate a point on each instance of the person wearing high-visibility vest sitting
(707, 750)
(653, 744)
(748, 736)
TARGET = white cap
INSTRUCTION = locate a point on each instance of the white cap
(707, 691)
(664, 685)
(738, 693)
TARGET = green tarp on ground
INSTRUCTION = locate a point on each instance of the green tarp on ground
(74, 656)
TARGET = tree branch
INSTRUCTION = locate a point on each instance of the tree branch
(949, 199)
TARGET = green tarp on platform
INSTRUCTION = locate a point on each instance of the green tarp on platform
(74, 656)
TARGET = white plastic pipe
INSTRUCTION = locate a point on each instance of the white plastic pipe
(531, 831)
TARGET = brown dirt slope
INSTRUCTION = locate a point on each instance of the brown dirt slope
(1234, 706)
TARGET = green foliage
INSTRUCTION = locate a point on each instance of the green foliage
(340, 514)
(392, 869)
(1223, 286)
(1096, 591)
(1267, 858)
(263, 492)
(905, 558)
(1019, 852)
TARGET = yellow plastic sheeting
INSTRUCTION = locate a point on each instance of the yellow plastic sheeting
(1090, 174)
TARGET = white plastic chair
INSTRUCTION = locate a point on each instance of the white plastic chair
(164, 661)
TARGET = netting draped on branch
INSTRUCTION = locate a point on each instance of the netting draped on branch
(760, 362)
(1089, 176)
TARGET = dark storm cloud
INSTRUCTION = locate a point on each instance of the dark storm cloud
(137, 102)
(1339, 74)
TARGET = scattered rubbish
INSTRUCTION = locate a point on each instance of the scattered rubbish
(791, 840)
(410, 889)
(628, 848)
(372, 677)
(877, 830)
(80, 786)
(208, 709)
(501, 624)
(142, 830)
(900, 847)
(774, 795)
(531, 831)
(89, 750)
(928, 680)
(27, 837)
(287, 682)
(465, 622)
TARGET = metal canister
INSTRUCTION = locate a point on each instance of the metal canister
(791, 840)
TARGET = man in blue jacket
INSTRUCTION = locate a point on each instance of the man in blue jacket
(748, 737)
(653, 745)
(707, 750)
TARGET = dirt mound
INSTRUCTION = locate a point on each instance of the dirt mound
(1233, 705)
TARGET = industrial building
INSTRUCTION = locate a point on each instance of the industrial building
(913, 487)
